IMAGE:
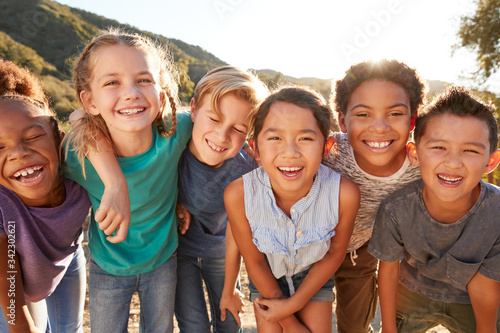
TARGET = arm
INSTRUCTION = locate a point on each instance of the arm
(255, 261)
(12, 290)
(484, 295)
(114, 211)
(232, 298)
(324, 269)
(388, 282)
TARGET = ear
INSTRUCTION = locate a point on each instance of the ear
(342, 123)
(328, 146)
(193, 110)
(88, 104)
(411, 152)
(251, 143)
(493, 161)
(412, 122)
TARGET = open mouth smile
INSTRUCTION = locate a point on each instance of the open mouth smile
(29, 174)
(450, 180)
(290, 171)
(128, 112)
(378, 144)
(215, 147)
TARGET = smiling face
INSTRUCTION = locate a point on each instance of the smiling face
(290, 147)
(28, 154)
(218, 137)
(451, 165)
(378, 123)
(124, 90)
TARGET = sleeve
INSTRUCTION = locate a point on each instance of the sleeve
(184, 126)
(72, 168)
(386, 243)
(491, 264)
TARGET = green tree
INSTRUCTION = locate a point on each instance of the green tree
(481, 34)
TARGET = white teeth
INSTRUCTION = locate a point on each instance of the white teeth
(288, 169)
(214, 147)
(378, 144)
(131, 111)
(26, 171)
(449, 179)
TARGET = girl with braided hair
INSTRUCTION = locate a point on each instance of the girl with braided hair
(128, 89)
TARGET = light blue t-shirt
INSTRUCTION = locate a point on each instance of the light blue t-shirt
(152, 184)
(201, 191)
(292, 245)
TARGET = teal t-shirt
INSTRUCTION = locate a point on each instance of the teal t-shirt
(152, 184)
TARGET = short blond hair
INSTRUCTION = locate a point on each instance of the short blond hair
(230, 80)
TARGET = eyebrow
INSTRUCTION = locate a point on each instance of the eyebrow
(303, 131)
(470, 143)
(105, 75)
(368, 107)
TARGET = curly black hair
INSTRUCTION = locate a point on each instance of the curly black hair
(382, 70)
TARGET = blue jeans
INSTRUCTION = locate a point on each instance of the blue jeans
(62, 311)
(110, 296)
(190, 306)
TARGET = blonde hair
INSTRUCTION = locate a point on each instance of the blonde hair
(86, 132)
(228, 79)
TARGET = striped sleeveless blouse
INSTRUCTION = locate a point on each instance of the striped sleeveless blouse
(292, 245)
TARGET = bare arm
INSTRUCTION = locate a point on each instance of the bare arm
(325, 268)
(12, 290)
(255, 261)
(484, 295)
(388, 282)
(114, 211)
(232, 298)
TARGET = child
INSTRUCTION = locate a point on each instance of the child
(292, 217)
(376, 105)
(440, 236)
(42, 265)
(224, 102)
(126, 86)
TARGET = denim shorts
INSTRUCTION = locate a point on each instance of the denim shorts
(324, 294)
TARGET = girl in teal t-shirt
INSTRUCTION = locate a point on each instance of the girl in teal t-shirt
(126, 85)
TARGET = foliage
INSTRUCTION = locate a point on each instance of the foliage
(481, 34)
(46, 37)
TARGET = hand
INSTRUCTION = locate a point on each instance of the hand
(185, 217)
(114, 213)
(274, 309)
(232, 302)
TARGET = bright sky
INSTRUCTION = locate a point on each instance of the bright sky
(319, 38)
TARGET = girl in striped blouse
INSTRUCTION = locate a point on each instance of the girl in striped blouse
(292, 217)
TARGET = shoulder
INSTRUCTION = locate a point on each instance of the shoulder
(184, 123)
(234, 198)
(234, 191)
(407, 192)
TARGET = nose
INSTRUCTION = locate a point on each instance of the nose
(290, 150)
(223, 133)
(18, 152)
(379, 125)
(131, 92)
(453, 161)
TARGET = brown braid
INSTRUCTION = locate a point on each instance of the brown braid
(160, 120)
